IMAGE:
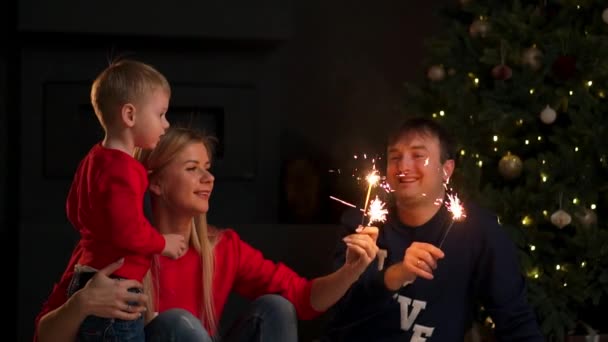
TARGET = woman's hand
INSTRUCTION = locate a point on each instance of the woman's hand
(361, 249)
(109, 298)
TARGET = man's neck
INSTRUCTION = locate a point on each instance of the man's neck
(416, 214)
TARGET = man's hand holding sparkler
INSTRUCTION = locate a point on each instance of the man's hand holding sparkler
(419, 260)
(361, 249)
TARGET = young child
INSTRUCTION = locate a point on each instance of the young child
(105, 202)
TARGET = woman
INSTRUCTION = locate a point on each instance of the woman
(187, 292)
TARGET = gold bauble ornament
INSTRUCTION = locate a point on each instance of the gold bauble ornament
(479, 28)
(436, 73)
(587, 217)
(510, 166)
(532, 57)
(561, 218)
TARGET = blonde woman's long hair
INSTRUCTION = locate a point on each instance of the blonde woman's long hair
(202, 238)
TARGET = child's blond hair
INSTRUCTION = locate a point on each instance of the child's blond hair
(123, 81)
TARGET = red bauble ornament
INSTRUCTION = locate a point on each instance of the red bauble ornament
(502, 72)
(564, 67)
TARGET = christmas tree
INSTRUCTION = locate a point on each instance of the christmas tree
(523, 86)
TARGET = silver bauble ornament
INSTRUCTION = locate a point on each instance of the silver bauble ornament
(532, 57)
(436, 73)
(560, 219)
(548, 115)
(587, 217)
(479, 28)
(510, 166)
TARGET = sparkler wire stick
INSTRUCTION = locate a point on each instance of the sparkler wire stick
(446, 233)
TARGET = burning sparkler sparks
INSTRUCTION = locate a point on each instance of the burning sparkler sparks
(376, 212)
(455, 207)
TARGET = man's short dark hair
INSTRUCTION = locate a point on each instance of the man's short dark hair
(426, 126)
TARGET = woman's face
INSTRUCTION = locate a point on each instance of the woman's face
(185, 184)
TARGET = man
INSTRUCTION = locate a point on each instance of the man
(436, 271)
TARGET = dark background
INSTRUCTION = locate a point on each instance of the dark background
(291, 88)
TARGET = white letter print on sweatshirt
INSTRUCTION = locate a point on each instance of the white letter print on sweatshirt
(420, 332)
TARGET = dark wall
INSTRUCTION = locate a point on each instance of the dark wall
(278, 81)
(346, 62)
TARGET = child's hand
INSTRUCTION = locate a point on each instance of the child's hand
(175, 246)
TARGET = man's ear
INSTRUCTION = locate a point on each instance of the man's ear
(127, 114)
(448, 169)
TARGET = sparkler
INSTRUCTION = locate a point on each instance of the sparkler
(454, 206)
(376, 212)
(372, 179)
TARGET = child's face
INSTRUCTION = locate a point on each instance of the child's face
(150, 119)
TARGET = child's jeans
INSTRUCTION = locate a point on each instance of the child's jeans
(99, 329)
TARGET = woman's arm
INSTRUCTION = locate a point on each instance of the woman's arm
(361, 251)
(102, 296)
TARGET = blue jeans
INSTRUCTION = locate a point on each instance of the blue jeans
(270, 318)
(99, 329)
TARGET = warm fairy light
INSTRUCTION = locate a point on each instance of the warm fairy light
(558, 267)
(575, 200)
(455, 207)
(476, 80)
(495, 138)
(545, 213)
(571, 92)
(527, 142)
(495, 149)
(463, 152)
(543, 162)
(526, 221)
(531, 91)
(539, 138)
(441, 113)
(480, 163)
(565, 284)
(543, 177)
(583, 264)
(589, 83)
(376, 212)
(434, 115)
(532, 248)
(576, 149)
(593, 206)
